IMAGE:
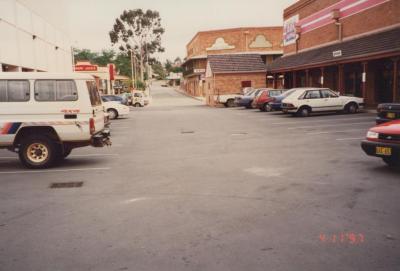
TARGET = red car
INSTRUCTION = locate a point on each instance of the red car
(262, 101)
(383, 141)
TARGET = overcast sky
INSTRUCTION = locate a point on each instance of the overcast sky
(91, 20)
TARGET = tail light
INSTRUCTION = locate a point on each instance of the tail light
(92, 126)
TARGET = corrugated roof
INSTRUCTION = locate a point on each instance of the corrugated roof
(236, 63)
(383, 42)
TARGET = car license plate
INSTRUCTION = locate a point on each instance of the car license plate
(384, 151)
(391, 115)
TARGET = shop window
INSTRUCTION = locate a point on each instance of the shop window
(246, 84)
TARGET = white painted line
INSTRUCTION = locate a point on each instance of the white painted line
(335, 132)
(325, 120)
(55, 170)
(74, 155)
(331, 125)
(93, 155)
(134, 200)
(354, 138)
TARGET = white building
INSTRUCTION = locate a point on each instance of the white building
(33, 39)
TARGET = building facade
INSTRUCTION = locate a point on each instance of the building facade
(266, 42)
(33, 39)
(350, 46)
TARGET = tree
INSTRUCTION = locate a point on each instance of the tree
(168, 66)
(140, 32)
(159, 71)
(84, 55)
(105, 57)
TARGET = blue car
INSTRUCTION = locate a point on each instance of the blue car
(247, 100)
(276, 104)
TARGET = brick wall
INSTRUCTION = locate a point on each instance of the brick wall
(380, 16)
(235, 37)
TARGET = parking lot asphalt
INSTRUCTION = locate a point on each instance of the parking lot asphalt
(188, 187)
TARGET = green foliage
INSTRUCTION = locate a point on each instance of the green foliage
(123, 64)
(105, 57)
(159, 71)
(140, 85)
(84, 55)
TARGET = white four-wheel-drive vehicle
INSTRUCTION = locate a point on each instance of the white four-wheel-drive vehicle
(304, 101)
(138, 99)
(43, 116)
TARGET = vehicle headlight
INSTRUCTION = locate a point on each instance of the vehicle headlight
(372, 135)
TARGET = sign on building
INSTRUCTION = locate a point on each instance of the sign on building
(289, 30)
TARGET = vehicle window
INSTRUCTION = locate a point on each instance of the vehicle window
(274, 93)
(312, 94)
(45, 90)
(94, 95)
(66, 91)
(326, 93)
(137, 95)
(18, 91)
(3, 91)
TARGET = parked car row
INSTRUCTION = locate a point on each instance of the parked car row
(299, 101)
(118, 105)
(382, 141)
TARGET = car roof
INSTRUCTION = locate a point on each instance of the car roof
(43, 76)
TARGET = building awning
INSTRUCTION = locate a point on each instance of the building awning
(375, 45)
(236, 63)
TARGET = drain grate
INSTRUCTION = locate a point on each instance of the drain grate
(66, 185)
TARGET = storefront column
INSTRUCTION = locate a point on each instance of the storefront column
(322, 79)
(294, 79)
(1, 67)
(364, 79)
(341, 78)
(307, 78)
(275, 81)
(395, 79)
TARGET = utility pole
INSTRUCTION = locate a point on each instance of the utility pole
(132, 70)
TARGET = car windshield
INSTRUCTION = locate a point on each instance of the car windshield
(274, 93)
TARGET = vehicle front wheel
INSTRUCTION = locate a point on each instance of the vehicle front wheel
(268, 107)
(112, 113)
(351, 108)
(137, 105)
(392, 162)
(304, 112)
(38, 152)
(230, 103)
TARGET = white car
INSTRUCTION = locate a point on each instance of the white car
(304, 101)
(115, 109)
(228, 100)
(138, 99)
(44, 116)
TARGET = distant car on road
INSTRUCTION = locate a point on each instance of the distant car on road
(388, 112)
(265, 98)
(304, 101)
(115, 109)
(383, 141)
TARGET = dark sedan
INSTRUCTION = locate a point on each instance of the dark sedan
(388, 112)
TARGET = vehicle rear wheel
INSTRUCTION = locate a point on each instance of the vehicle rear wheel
(304, 112)
(230, 103)
(268, 108)
(113, 113)
(137, 105)
(392, 162)
(351, 108)
(38, 152)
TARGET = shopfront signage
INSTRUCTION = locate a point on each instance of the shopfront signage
(337, 53)
(289, 30)
(85, 68)
(199, 70)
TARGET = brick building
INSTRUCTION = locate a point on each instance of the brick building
(259, 43)
(351, 46)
